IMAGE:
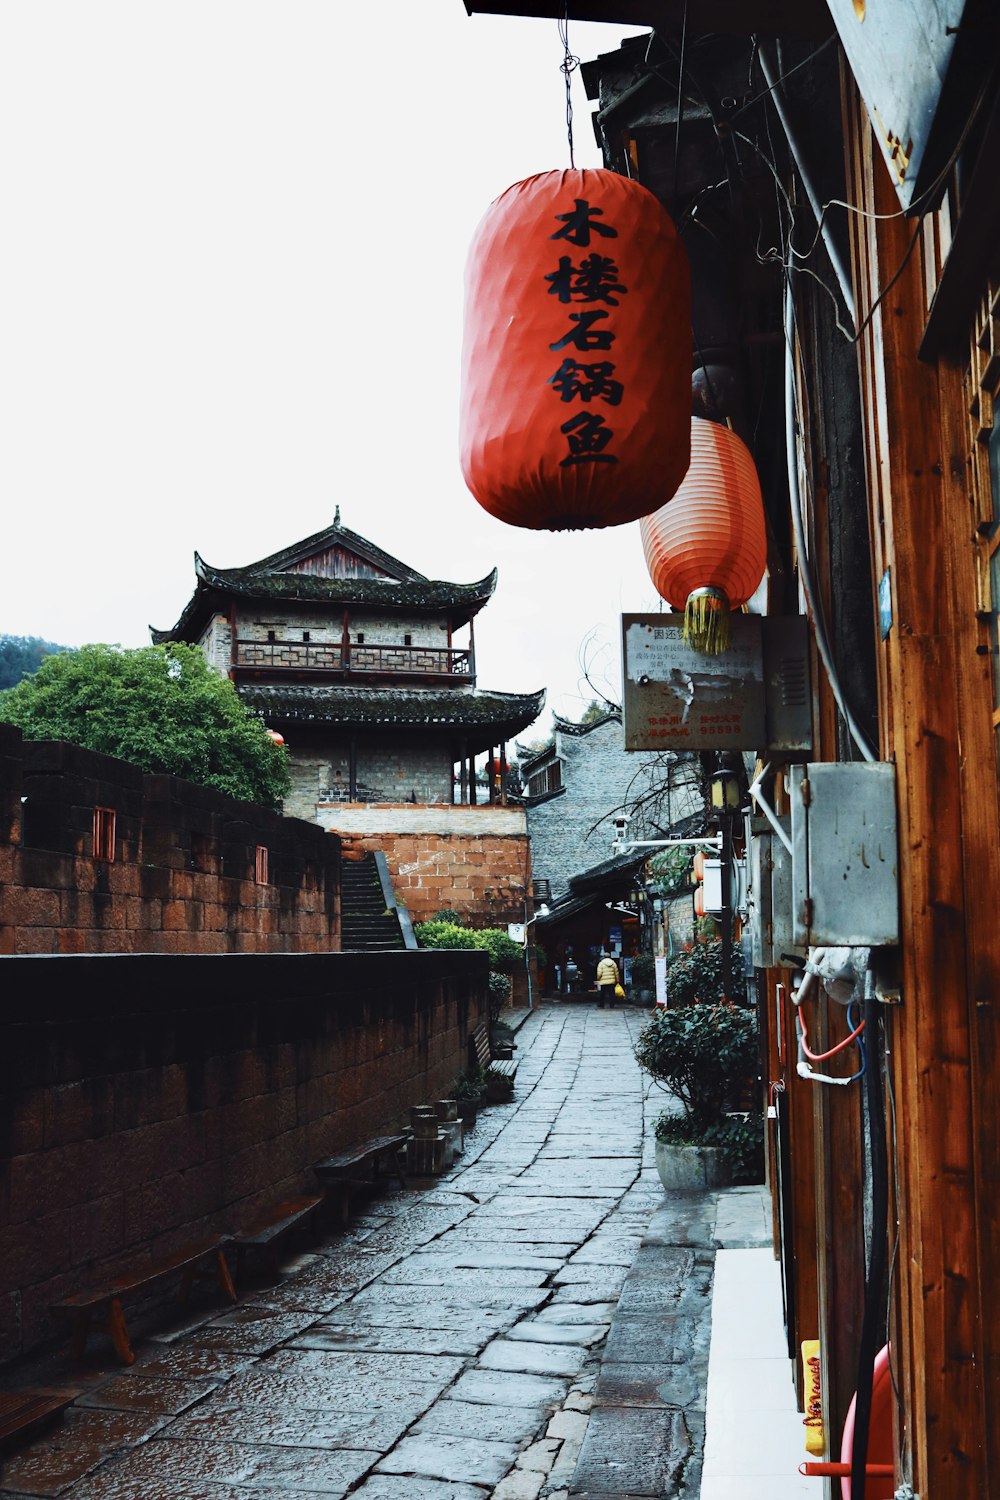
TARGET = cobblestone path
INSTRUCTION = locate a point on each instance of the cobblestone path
(444, 1347)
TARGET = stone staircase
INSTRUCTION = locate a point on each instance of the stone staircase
(365, 922)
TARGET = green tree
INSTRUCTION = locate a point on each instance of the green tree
(21, 655)
(160, 707)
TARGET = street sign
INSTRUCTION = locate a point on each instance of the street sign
(676, 698)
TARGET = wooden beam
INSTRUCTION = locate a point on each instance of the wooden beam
(798, 18)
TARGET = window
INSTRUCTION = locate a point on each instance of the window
(305, 635)
(407, 640)
(359, 639)
(270, 635)
(547, 780)
(260, 865)
(104, 834)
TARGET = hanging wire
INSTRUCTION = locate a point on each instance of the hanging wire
(567, 68)
(680, 100)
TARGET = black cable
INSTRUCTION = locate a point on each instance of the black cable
(875, 1283)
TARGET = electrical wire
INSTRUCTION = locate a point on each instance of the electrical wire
(870, 1324)
(832, 1052)
(567, 67)
(795, 499)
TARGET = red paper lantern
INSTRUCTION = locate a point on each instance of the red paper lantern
(707, 547)
(576, 366)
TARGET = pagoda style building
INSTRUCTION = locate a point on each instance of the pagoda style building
(353, 657)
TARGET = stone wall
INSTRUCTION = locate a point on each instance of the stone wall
(390, 768)
(572, 829)
(147, 1099)
(183, 876)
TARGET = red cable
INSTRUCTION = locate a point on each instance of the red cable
(822, 1056)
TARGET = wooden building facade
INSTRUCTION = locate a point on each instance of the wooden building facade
(832, 168)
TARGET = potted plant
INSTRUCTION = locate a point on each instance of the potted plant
(704, 1054)
(469, 1093)
(643, 977)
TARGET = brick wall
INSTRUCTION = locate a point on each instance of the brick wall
(146, 1099)
(182, 879)
(475, 861)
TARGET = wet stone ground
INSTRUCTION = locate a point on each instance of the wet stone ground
(446, 1346)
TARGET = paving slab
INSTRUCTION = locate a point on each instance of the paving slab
(374, 1427)
(652, 1384)
(424, 1312)
(147, 1393)
(399, 1340)
(192, 1362)
(581, 1334)
(566, 1311)
(165, 1469)
(633, 1451)
(500, 1388)
(439, 1456)
(396, 1487)
(510, 1424)
(532, 1358)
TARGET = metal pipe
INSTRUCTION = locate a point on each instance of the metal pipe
(839, 269)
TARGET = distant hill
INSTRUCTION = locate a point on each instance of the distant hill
(20, 655)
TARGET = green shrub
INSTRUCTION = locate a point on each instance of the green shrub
(696, 974)
(503, 951)
(643, 972)
(499, 993)
(704, 1054)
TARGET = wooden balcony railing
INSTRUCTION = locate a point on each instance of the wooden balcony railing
(327, 656)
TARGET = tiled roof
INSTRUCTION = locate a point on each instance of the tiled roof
(502, 714)
(459, 600)
(333, 536)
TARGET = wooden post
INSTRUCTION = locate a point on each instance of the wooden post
(345, 641)
(503, 774)
(472, 651)
(352, 773)
(463, 761)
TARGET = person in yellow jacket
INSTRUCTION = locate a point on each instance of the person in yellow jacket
(607, 978)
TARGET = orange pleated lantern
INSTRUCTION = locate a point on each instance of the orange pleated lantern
(576, 364)
(707, 547)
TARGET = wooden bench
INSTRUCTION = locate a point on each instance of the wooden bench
(204, 1258)
(267, 1232)
(500, 1073)
(24, 1414)
(346, 1174)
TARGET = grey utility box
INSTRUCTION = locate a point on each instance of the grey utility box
(845, 867)
(770, 895)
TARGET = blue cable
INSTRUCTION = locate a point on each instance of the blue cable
(851, 1024)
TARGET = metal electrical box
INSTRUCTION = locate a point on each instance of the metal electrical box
(712, 885)
(770, 896)
(845, 868)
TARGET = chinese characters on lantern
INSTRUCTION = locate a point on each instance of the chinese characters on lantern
(594, 279)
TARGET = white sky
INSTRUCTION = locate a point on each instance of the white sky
(231, 298)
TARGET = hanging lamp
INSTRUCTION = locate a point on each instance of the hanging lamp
(576, 363)
(707, 547)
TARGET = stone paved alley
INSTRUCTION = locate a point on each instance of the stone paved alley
(449, 1344)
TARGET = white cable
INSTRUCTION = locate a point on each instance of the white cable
(795, 499)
